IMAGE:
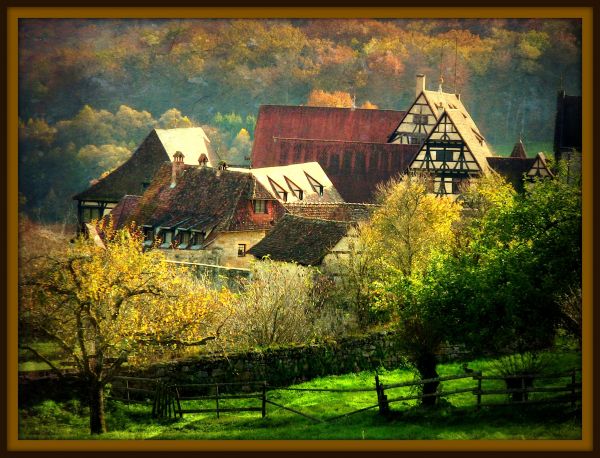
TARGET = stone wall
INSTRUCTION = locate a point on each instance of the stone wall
(217, 274)
(287, 365)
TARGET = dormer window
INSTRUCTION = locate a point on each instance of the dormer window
(315, 185)
(166, 239)
(196, 239)
(278, 190)
(260, 206)
(148, 235)
(296, 190)
(183, 238)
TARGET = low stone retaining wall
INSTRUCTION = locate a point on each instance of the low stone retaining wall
(286, 365)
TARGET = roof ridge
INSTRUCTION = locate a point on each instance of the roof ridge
(331, 203)
(332, 108)
(338, 141)
(290, 215)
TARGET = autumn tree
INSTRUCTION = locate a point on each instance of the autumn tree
(412, 223)
(105, 303)
(409, 231)
(319, 98)
(355, 272)
(278, 306)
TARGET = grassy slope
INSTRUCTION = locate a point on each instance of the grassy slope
(456, 420)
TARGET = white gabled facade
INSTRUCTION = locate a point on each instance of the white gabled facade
(453, 153)
(417, 123)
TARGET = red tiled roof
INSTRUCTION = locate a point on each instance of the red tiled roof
(203, 198)
(320, 123)
(124, 208)
(333, 211)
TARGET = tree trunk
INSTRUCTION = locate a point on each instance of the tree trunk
(426, 365)
(97, 421)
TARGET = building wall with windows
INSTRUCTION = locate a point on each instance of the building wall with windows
(229, 249)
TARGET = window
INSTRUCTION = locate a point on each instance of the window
(315, 185)
(421, 119)
(278, 189)
(294, 188)
(166, 239)
(443, 155)
(241, 250)
(456, 185)
(260, 206)
(184, 240)
(149, 234)
(90, 213)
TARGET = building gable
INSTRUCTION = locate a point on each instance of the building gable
(416, 125)
(539, 168)
(446, 155)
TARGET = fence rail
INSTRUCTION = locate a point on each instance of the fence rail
(170, 400)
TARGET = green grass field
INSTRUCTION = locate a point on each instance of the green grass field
(456, 418)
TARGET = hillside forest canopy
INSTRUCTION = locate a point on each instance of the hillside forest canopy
(91, 90)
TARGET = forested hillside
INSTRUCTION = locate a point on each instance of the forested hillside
(90, 90)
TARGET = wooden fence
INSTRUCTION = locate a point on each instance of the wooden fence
(170, 400)
(520, 395)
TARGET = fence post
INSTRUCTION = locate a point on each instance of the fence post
(178, 402)
(264, 400)
(155, 403)
(573, 389)
(524, 394)
(384, 407)
(478, 376)
(127, 388)
(168, 400)
(217, 401)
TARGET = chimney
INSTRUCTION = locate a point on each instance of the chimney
(203, 160)
(420, 84)
(176, 167)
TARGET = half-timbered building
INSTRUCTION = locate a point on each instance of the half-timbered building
(453, 153)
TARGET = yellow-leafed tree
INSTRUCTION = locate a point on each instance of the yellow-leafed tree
(410, 229)
(339, 99)
(107, 302)
(412, 223)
